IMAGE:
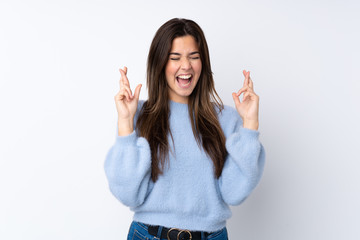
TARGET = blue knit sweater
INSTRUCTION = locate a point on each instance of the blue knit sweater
(187, 195)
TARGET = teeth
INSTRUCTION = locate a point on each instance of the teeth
(185, 76)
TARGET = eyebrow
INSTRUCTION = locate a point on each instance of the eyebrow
(178, 54)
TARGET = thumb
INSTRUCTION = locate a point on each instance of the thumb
(137, 91)
(236, 99)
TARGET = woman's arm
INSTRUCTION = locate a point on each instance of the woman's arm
(128, 162)
(245, 163)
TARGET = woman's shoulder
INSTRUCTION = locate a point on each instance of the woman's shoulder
(227, 112)
(229, 118)
(139, 108)
(141, 103)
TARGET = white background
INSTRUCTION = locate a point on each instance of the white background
(59, 65)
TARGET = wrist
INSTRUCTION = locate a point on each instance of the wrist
(125, 127)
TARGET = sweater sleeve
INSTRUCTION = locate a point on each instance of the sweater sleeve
(244, 165)
(128, 169)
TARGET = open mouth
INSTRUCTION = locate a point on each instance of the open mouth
(184, 80)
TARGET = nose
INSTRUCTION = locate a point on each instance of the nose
(185, 64)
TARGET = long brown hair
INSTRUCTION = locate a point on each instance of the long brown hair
(153, 122)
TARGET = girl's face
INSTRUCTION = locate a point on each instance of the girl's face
(183, 68)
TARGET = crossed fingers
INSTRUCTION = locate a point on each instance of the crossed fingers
(125, 91)
(248, 87)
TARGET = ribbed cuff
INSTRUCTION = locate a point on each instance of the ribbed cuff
(126, 140)
(249, 133)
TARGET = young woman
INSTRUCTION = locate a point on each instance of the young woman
(182, 157)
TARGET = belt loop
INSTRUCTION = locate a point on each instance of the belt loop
(159, 232)
(203, 236)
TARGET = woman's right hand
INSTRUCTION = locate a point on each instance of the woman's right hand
(126, 104)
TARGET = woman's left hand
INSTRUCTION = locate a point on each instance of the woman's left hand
(248, 108)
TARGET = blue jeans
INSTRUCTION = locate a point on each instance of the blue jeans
(139, 231)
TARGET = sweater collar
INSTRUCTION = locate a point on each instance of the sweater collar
(176, 106)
